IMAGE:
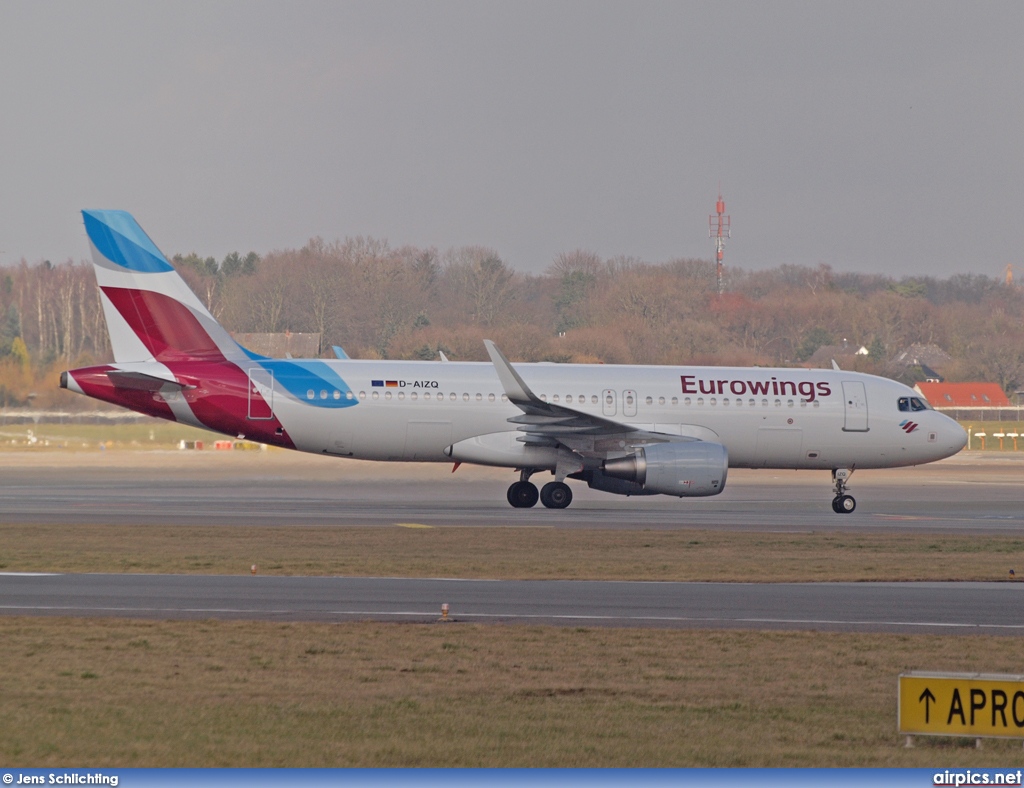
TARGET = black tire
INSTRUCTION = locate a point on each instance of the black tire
(556, 495)
(835, 505)
(522, 495)
(845, 504)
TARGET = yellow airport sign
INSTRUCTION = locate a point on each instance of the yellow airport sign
(961, 704)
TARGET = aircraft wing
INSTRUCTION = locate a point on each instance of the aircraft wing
(547, 424)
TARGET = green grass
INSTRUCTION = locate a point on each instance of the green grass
(990, 428)
(151, 434)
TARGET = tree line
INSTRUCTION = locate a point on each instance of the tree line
(379, 301)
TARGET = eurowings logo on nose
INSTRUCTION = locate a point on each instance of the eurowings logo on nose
(908, 426)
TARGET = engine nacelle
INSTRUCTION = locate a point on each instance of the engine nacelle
(691, 469)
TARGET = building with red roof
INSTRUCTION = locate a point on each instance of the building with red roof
(963, 395)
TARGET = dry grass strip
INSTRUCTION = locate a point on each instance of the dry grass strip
(509, 553)
(135, 693)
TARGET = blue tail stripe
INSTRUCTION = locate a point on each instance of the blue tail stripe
(119, 238)
(304, 378)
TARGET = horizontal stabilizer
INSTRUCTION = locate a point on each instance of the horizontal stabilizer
(140, 381)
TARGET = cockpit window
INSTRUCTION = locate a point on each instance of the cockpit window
(907, 404)
(916, 404)
(904, 404)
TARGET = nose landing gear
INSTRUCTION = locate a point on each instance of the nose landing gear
(843, 503)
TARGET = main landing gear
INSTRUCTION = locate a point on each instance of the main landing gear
(842, 503)
(523, 494)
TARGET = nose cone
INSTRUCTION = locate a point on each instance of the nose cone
(952, 437)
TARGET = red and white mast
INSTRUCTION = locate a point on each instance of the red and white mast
(719, 228)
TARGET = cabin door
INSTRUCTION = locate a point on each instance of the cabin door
(855, 401)
(261, 394)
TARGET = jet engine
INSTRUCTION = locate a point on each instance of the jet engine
(691, 469)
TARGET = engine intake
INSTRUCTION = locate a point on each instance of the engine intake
(691, 469)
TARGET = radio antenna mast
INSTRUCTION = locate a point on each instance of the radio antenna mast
(719, 228)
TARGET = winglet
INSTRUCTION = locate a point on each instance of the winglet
(835, 366)
(516, 390)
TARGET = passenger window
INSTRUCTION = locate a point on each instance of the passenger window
(904, 403)
(650, 401)
(593, 399)
(675, 401)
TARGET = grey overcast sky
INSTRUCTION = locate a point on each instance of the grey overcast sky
(872, 136)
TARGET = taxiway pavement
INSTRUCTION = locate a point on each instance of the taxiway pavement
(951, 608)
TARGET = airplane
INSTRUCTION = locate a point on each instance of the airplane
(626, 430)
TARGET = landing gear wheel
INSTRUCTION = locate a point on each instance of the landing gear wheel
(843, 503)
(556, 495)
(522, 495)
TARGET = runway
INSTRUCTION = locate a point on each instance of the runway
(980, 494)
(948, 608)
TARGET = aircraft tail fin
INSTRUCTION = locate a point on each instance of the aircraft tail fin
(151, 313)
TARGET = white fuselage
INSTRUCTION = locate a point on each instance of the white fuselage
(766, 418)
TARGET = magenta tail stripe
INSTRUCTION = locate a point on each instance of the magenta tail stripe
(167, 327)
